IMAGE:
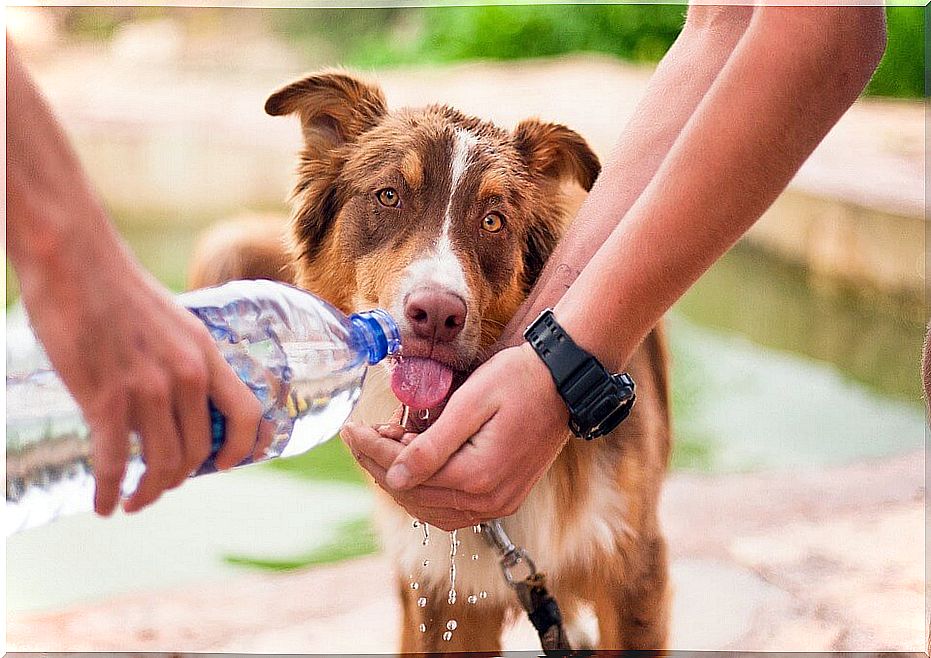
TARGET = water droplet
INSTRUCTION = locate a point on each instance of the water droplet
(423, 628)
(422, 602)
(453, 548)
(477, 529)
(451, 624)
(415, 585)
(448, 636)
(472, 599)
(424, 414)
(483, 594)
(426, 534)
(426, 563)
(416, 523)
(474, 556)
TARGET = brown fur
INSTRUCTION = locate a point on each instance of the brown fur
(353, 251)
(251, 247)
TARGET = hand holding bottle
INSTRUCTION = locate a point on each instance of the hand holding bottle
(131, 357)
(135, 361)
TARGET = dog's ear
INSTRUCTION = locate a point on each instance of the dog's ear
(334, 107)
(553, 152)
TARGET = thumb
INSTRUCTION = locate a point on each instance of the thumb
(465, 413)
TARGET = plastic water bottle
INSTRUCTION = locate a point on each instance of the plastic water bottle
(304, 360)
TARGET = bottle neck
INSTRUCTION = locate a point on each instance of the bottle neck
(378, 334)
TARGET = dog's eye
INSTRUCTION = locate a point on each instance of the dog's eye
(493, 222)
(388, 197)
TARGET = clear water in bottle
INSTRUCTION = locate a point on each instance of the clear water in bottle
(303, 359)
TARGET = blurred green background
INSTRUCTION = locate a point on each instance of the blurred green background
(392, 36)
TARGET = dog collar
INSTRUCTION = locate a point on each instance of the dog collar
(597, 400)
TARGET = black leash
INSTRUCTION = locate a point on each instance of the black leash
(538, 603)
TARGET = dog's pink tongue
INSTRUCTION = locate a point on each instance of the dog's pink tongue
(421, 383)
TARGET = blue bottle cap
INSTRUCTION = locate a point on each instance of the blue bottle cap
(380, 334)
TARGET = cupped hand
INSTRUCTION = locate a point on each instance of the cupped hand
(496, 437)
(134, 360)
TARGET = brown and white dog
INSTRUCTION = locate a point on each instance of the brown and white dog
(446, 221)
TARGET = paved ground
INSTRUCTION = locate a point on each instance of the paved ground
(815, 561)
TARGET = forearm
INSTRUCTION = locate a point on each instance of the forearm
(790, 79)
(51, 207)
(685, 75)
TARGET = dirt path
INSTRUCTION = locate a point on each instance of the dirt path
(789, 561)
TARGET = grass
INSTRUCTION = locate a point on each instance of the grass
(331, 462)
(353, 539)
(371, 38)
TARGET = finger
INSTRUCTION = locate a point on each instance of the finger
(397, 416)
(110, 452)
(264, 440)
(193, 419)
(367, 441)
(391, 431)
(161, 444)
(468, 409)
(425, 496)
(240, 408)
(442, 517)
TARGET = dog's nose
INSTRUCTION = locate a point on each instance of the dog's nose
(435, 314)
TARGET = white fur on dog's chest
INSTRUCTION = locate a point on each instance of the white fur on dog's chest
(536, 527)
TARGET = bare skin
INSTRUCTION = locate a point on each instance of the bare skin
(733, 111)
(132, 358)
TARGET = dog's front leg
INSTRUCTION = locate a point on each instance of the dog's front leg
(425, 628)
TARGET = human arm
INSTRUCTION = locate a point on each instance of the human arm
(132, 358)
(793, 75)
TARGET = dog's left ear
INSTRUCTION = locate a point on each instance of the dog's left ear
(334, 107)
(554, 152)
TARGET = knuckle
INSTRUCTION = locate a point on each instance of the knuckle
(196, 456)
(192, 372)
(166, 465)
(153, 388)
(109, 471)
(418, 455)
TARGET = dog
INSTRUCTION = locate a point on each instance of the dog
(446, 221)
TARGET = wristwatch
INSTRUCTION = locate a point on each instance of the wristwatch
(597, 400)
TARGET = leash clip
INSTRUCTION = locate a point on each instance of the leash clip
(511, 560)
(511, 555)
